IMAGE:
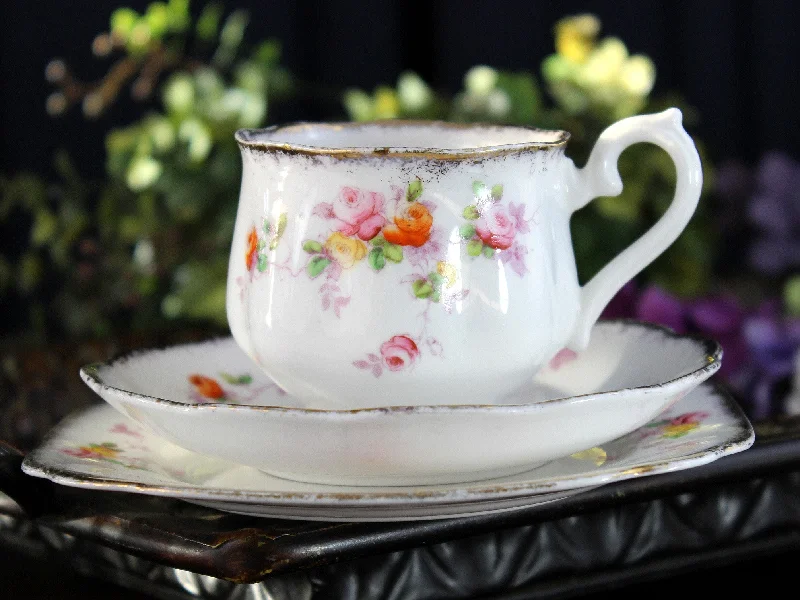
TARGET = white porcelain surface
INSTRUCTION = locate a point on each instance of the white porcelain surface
(629, 373)
(99, 449)
(387, 263)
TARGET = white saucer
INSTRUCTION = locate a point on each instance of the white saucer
(212, 399)
(99, 449)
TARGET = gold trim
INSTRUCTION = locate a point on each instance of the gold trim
(713, 351)
(597, 477)
(244, 137)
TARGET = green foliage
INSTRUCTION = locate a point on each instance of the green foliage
(590, 84)
(150, 245)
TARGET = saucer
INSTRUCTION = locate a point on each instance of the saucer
(99, 449)
(212, 399)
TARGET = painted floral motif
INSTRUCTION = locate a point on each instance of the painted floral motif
(207, 389)
(399, 353)
(412, 227)
(596, 455)
(259, 244)
(675, 427)
(105, 452)
(356, 212)
(362, 229)
(365, 228)
(125, 430)
(492, 228)
(563, 357)
(436, 285)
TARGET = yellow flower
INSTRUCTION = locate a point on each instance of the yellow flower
(102, 450)
(676, 431)
(638, 75)
(386, 104)
(575, 36)
(597, 455)
(344, 250)
(448, 271)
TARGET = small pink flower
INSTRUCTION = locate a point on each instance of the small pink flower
(125, 430)
(564, 356)
(514, 257)
(517, 212)
(399, 353)
(359, 213)
(496, 228)
(688, 418)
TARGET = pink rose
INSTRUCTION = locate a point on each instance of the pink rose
(688, 418)
(399, 352)
(359, 213)
(496, 228)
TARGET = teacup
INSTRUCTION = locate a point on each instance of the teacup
(408, 263)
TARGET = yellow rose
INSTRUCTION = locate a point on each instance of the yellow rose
(344, 250)
(448, 271)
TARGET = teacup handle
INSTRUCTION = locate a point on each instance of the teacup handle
(600, 177)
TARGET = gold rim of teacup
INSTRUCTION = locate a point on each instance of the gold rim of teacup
(248, 138)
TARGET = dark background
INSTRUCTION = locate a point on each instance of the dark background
(735, 61)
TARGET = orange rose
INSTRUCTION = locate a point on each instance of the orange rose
(412, 226)
(252, 248)
(206, 387)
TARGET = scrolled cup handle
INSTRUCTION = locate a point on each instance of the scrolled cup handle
(600, 177)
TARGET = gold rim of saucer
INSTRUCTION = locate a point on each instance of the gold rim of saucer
(712, 351)
(247, 138)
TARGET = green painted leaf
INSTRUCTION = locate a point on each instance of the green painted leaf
(262, 262)
(376, 259)
(378, 240)
(280, 228)
(436, 296)
(284, 218)
(237, 379)
(312, 246)
(474, 247)
(266, 226)
(478, 188)
(488, 251)
(414, 190)
(497, 191)
(261, 245)
(436, 280)
(393, 253)
(467, 231)
(317, 265)
(471, 212)
(422, 288)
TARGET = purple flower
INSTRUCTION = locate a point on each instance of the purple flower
(623, 305)
(775, 212)
(722, 319)
(657, 306)
(773, 344)
(760, 346)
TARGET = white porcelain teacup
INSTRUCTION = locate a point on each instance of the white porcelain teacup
(408, 263)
